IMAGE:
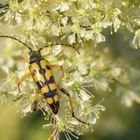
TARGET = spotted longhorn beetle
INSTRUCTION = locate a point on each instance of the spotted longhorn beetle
(42, 74)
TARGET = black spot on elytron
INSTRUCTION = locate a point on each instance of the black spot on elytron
(54, 106)
(34, 72)
(48, 67)
(40, 84)
(50, 94)
(51, 80)
(42, 71)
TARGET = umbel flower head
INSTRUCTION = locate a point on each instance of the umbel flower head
(80, 22)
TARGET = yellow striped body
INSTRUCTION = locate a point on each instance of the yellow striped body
(43, 77)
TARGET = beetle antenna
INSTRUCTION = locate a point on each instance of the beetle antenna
(16, 40)
(59, 44)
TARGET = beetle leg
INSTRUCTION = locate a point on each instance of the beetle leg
(58, 67)
(25, 58)
(34, 99)
(23, 78)
(71, 105)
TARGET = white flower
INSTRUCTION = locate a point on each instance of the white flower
(86, 34)
(71, 39)
(63, 6)
(64, 21)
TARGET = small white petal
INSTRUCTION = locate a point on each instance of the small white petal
(71, 39)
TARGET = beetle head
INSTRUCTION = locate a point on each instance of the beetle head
(35, 56)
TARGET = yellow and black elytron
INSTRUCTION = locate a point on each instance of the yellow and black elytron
(42, 74)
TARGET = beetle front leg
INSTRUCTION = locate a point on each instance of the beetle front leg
(71, 105)
(25, 58)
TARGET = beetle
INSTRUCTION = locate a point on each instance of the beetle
(41, 71)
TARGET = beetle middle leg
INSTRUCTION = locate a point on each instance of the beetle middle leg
(71, 105)
(34, 99)
(25, 58)
(23, 78)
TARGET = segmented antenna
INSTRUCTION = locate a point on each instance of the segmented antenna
(59, 44)
(5, 36)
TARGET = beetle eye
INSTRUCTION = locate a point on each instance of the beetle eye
(30, 53)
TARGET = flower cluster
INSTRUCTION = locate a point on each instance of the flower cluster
(73, 21)
(83, 24)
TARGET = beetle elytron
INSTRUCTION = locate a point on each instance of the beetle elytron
(42, 74)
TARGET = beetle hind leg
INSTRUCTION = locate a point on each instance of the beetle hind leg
(34, 98)
(71, 105)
